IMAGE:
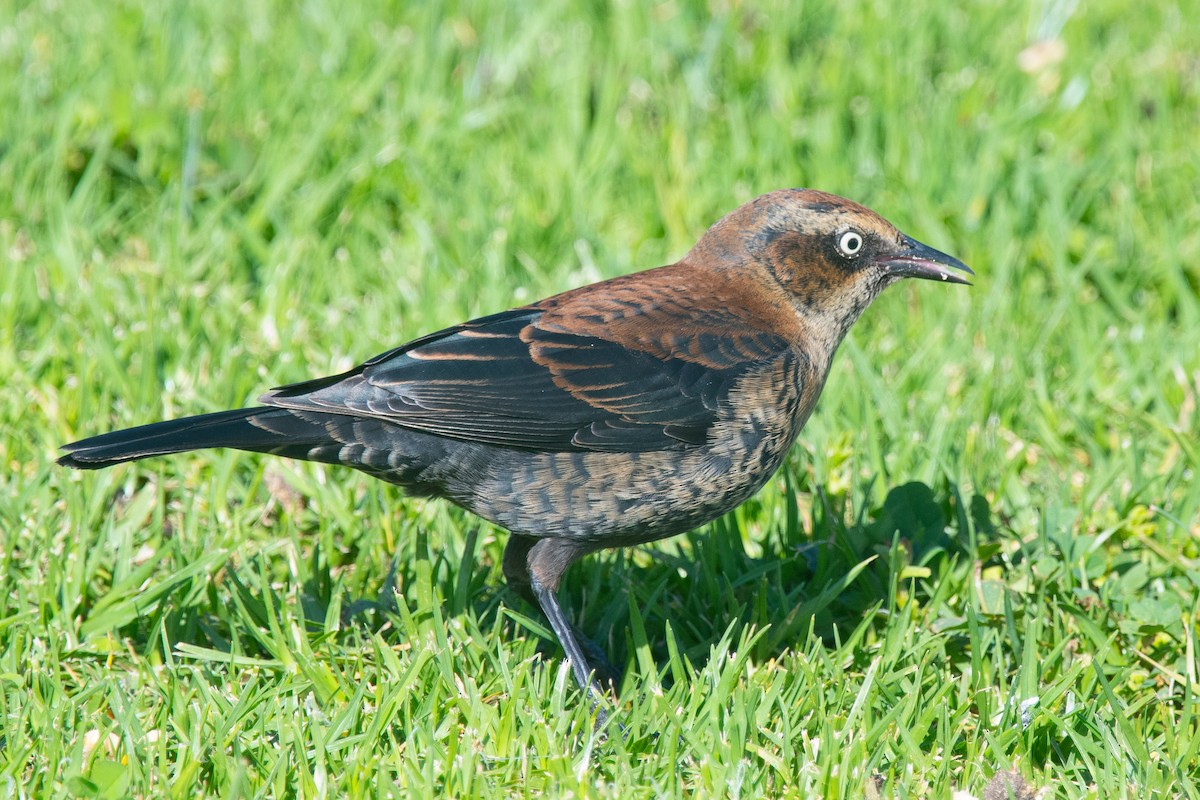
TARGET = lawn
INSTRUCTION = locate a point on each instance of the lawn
(981, 558)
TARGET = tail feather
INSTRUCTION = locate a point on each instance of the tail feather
(262, 429)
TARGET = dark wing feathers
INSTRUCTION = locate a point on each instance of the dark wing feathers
(505, 381)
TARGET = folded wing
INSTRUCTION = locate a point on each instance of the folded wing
(510, 381)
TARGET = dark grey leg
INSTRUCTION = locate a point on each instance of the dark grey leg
(534, 567)
(566, 637)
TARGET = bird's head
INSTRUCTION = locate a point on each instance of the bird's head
(830, 255)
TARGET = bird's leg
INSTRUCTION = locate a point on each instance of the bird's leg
(566, 637)
(603, 671)
(533, 567)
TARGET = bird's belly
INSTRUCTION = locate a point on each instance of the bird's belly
(618, 499)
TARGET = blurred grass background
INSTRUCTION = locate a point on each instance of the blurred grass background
(983, 556)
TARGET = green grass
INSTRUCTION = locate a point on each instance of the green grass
(983, 555)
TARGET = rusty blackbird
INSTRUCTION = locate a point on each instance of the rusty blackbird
(610, 415)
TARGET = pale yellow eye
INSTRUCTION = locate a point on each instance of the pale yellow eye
(850, 243)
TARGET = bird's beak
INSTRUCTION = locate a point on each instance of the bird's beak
(916, 260)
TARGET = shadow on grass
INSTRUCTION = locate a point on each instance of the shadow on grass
(823, 574)
(825, 571)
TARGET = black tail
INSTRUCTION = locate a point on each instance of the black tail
(263, 429)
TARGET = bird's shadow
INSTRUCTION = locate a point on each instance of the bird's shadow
(824, 569)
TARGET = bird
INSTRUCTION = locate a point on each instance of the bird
(610, 415)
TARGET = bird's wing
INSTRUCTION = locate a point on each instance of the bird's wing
(522, 379)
